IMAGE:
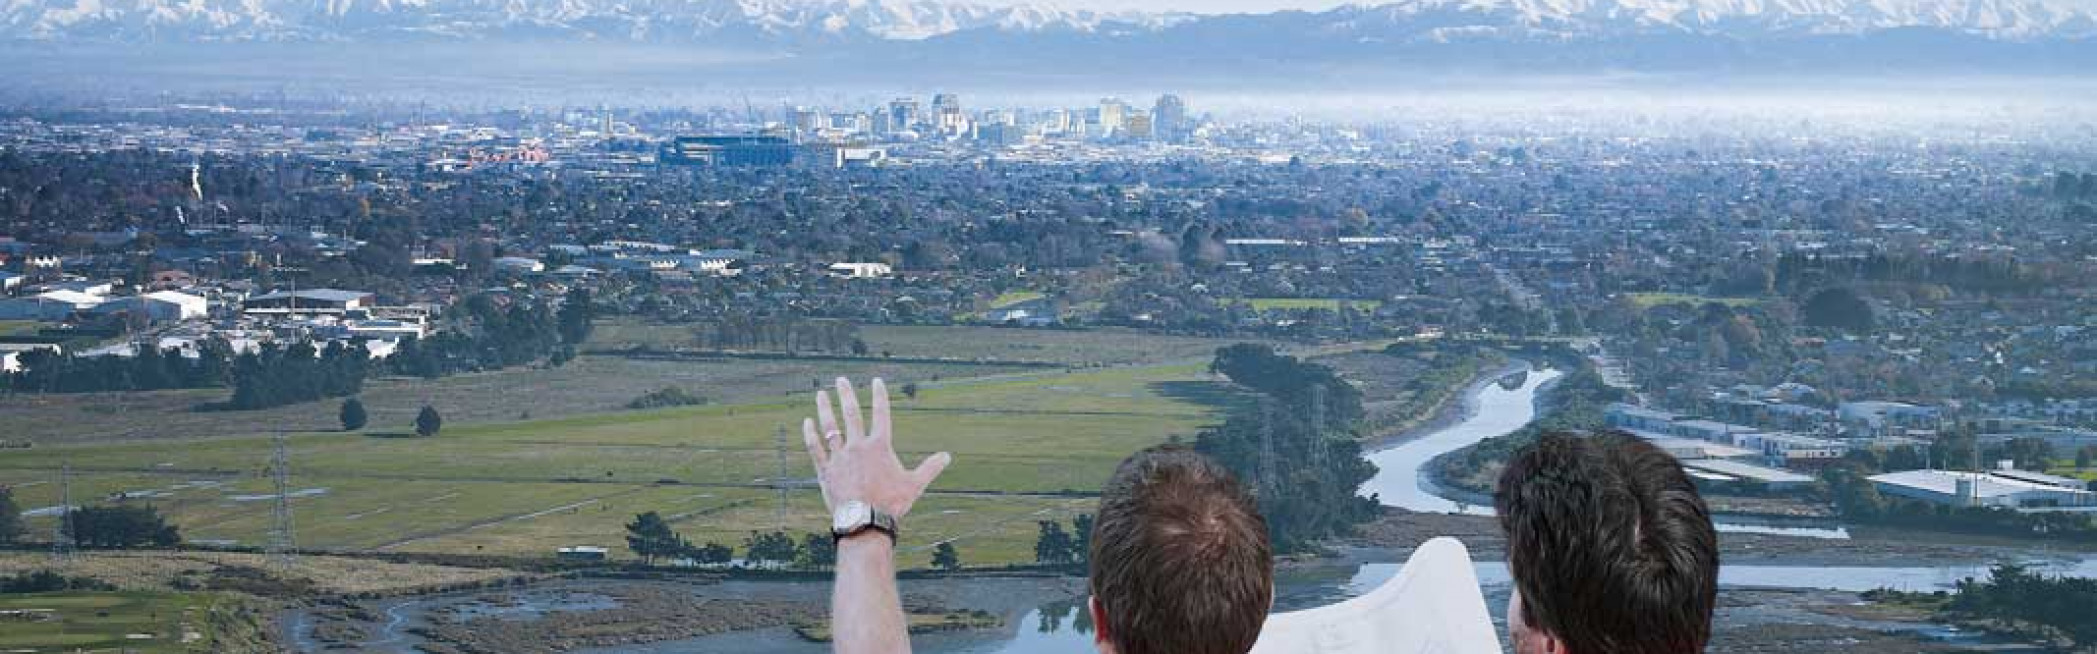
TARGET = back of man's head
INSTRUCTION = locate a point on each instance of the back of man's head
(1180, 559)
(1611, 548)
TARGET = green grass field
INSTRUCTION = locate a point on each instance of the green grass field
(16, 327)
(1021, 441)
(1009, 298)
(112, 622)
(961, 343)
(1649, 300)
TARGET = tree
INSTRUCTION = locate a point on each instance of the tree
(1840, 308)
(427, 422)
(121, 526)
(1053, 546)
(910, 390)
(10, 517)
(352, 415)
(945, 558)
(2028, 453)
(818, 551)
(576, 316)
(2083, 456)
(1081, 537)
(775, 547)
(650, 537)
(710, 554)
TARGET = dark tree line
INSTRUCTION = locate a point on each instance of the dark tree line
(1317, 465)
(781, 333)
(1056, 546)
(10, 517)
(46, 581)
(151, 369)
(491, 336)
(650, 537)
(120, 526)
(2022, 601)
(276, 375)
(1997, 275)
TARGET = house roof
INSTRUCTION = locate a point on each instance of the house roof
(69, 297)
(1947, 482)
(322, 294)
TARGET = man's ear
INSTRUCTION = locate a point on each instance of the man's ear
(1100, 629)
(1548, 644)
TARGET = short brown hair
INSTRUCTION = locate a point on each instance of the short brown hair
(1610, 545)
(1180, 559)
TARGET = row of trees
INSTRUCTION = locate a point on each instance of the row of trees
(10, 517)
(151, 369)
(490, 336)
(780, 333)
(110, 526)
(2019, 600)
(276, 375)
(1295, 444)
(650, 537)
(121, 526)
(1056, 546)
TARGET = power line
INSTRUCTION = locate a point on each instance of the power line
(779, 448)
(1270, 468)
(1317, 434)
(62, 533)
(281, 542)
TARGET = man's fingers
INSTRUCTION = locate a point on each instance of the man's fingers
(848, 403)
(880, 428)
(816, 452)
(930, 469)
(828, 419)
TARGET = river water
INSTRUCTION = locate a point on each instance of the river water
(1492, 410)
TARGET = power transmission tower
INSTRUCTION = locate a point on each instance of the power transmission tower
(1270, 468)
(779, 481)
(280, 536)
(62, 533)
(1317, 433)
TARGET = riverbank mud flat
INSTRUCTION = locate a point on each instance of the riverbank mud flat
(615, 615)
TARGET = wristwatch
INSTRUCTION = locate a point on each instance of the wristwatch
(855, 516)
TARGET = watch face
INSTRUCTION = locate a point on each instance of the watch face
(850, 516)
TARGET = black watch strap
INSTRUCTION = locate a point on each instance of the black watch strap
(877, 520)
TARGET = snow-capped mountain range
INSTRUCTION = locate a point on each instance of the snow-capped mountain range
(629, 20)
(787, 23)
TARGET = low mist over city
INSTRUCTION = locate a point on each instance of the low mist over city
(871, 326)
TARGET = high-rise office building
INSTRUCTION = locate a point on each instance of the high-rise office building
(1168, 119)
(947, 117)
(1137, 127)
(903, 115)
(1112, 111)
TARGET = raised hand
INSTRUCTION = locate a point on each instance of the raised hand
(856, 460)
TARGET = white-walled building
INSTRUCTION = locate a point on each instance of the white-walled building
(48, 305)
(861, 270)
(1992, 489)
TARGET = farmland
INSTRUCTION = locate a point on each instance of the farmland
(1028, 444)
(124, 621)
